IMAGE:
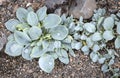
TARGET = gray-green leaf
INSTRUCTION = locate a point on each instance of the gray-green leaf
(51, 21)
(89, 27)
(36, 52)
(32, 18)
(21, 14)
(46, 63)
(21, 38)
(26, 53)
(11, 24)
(94, 56)
(59, 32)
(35, 32)
(118, 28)
(117, 42)
(108, 23)
(13, 49)
(108, 35)
(96, 36)
(42, 13)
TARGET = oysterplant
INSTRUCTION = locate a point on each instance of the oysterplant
(49, 37)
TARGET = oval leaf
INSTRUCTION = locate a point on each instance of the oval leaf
(85, 50)
(21, 14)
(11, 24)
(94, 57)
(46, 63)
(108, 35)
(96, 36)
(64, 58)
(42, 13)
(26, 53)
(59, 32)
(21, 38)
(118, 28)
(35, 32)
(117, 42)
(52, 20)
(32, 18)
(13, 49)
(108, 23)
(89, 27)
(36, 52)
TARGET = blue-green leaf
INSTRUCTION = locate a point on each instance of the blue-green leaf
(21, 38)
(11, 24)
(26, 53)
(108, 23)
(89, 27)
(22, 14)
(118, 28)
(59, 32)
(96, 36)
(51, 21)
(117, 42)
(42, 13)
(94, 56)
(36, 52)
(13, 49)
(108, 35)
(85, 50)
(35, 32)
(64, 58)
(46, 63)
(32, 18)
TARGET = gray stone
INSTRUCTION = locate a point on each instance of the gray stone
(83, 8)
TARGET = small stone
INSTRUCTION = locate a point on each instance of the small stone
(83, 8)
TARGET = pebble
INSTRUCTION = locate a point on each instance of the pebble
(83, 8)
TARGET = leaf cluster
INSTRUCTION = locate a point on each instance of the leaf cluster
(50, 37)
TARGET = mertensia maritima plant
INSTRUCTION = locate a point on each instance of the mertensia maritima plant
(50, 37)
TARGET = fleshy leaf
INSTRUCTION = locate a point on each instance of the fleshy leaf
(89, 27)
(21, 38)
(68, 39)
(108, 35)
(111, 62)
(21, 14)
(96, 48)
(89, 42)
(85, 50)
(104, 68)
(36, 52)
(32, 18)
(11, 24)
(57, 44)
(45, 44)
(11, 37)
(35, 32)
(59, 32)
(13, 48)
(101, 60)
(46, 63)
(42, 13)
(64, 58)
(96, 36)
(108, 23)
(26, 53)
(118, 28)
(94, 57)
(76, 45)
(117, 42)
(51, 21)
